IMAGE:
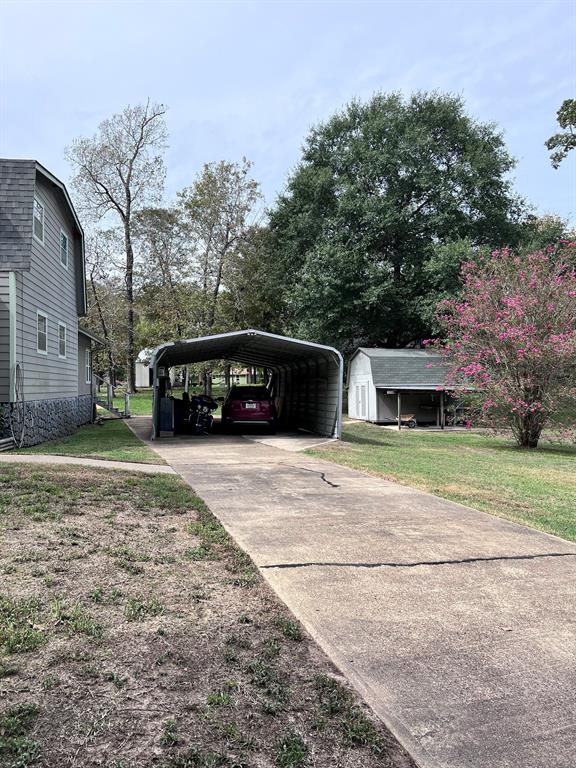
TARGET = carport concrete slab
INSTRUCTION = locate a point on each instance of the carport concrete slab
(458, 628)
(290, 441)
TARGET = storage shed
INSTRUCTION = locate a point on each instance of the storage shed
(401, 386)
(306, 378)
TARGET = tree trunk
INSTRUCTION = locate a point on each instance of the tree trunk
(529, 431)
(111, 369)
(129, 280)
(111, 366)
(207, 381)
(227, 375)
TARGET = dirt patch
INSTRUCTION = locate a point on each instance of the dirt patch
(133, 633)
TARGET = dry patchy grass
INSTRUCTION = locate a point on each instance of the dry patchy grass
(133, 633)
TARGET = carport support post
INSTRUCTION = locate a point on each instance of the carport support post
(399, 410)
(155, 401)
(442, 409)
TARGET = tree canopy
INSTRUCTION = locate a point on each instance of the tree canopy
(119, 171)
(379, 187)
(560, 144)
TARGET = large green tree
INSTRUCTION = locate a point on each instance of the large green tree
(379, 187)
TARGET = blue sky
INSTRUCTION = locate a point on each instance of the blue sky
(250, 78)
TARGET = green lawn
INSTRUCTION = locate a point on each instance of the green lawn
(141, 402)
(109, 440)
(537, 488)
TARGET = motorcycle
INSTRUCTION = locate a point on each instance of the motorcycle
(200, 418)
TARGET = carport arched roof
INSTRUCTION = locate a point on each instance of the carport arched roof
(250, 347)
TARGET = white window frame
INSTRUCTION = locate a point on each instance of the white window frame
(60, 355)
(64, 263)
(39, 314)
(37, 202)
(88, 366)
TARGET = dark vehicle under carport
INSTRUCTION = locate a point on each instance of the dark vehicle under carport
(306, 381)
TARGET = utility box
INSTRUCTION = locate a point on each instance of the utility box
(166, 417)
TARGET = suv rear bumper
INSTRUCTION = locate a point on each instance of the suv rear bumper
(267, 422)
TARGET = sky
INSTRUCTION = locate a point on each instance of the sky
(251, 78)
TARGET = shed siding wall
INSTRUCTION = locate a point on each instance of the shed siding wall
(387, 406)
(4, 337)
(50, 288)
(362, 403)
(372, 402)
(143, 375)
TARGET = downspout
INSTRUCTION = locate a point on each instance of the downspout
(13, 334)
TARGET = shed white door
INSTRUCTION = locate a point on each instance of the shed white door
(361, 400)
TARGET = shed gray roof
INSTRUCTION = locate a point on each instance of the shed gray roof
(406, 368)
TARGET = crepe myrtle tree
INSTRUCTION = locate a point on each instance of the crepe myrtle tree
(511, 335)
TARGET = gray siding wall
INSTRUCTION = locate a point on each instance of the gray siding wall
(50, 288)
(16, 199)
(4, 338)
(83, 345)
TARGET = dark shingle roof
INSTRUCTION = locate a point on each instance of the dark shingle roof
(406, 368)
(16, 200)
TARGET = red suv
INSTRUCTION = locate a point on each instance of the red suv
(249, 405)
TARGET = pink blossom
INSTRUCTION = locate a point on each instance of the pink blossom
(512, 335)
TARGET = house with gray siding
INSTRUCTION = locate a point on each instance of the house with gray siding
(45, 355)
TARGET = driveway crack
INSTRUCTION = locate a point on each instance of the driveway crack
(315, 472)
(416, 563)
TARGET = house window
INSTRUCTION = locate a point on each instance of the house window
(61, 340)
(64, 249)
(41, 333)
(88, 366)
(38, 221)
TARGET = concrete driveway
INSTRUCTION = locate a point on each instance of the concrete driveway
(458, 628)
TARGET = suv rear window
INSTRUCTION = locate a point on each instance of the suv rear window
(249, 393)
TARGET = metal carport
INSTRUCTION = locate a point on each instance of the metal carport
(307, 378)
